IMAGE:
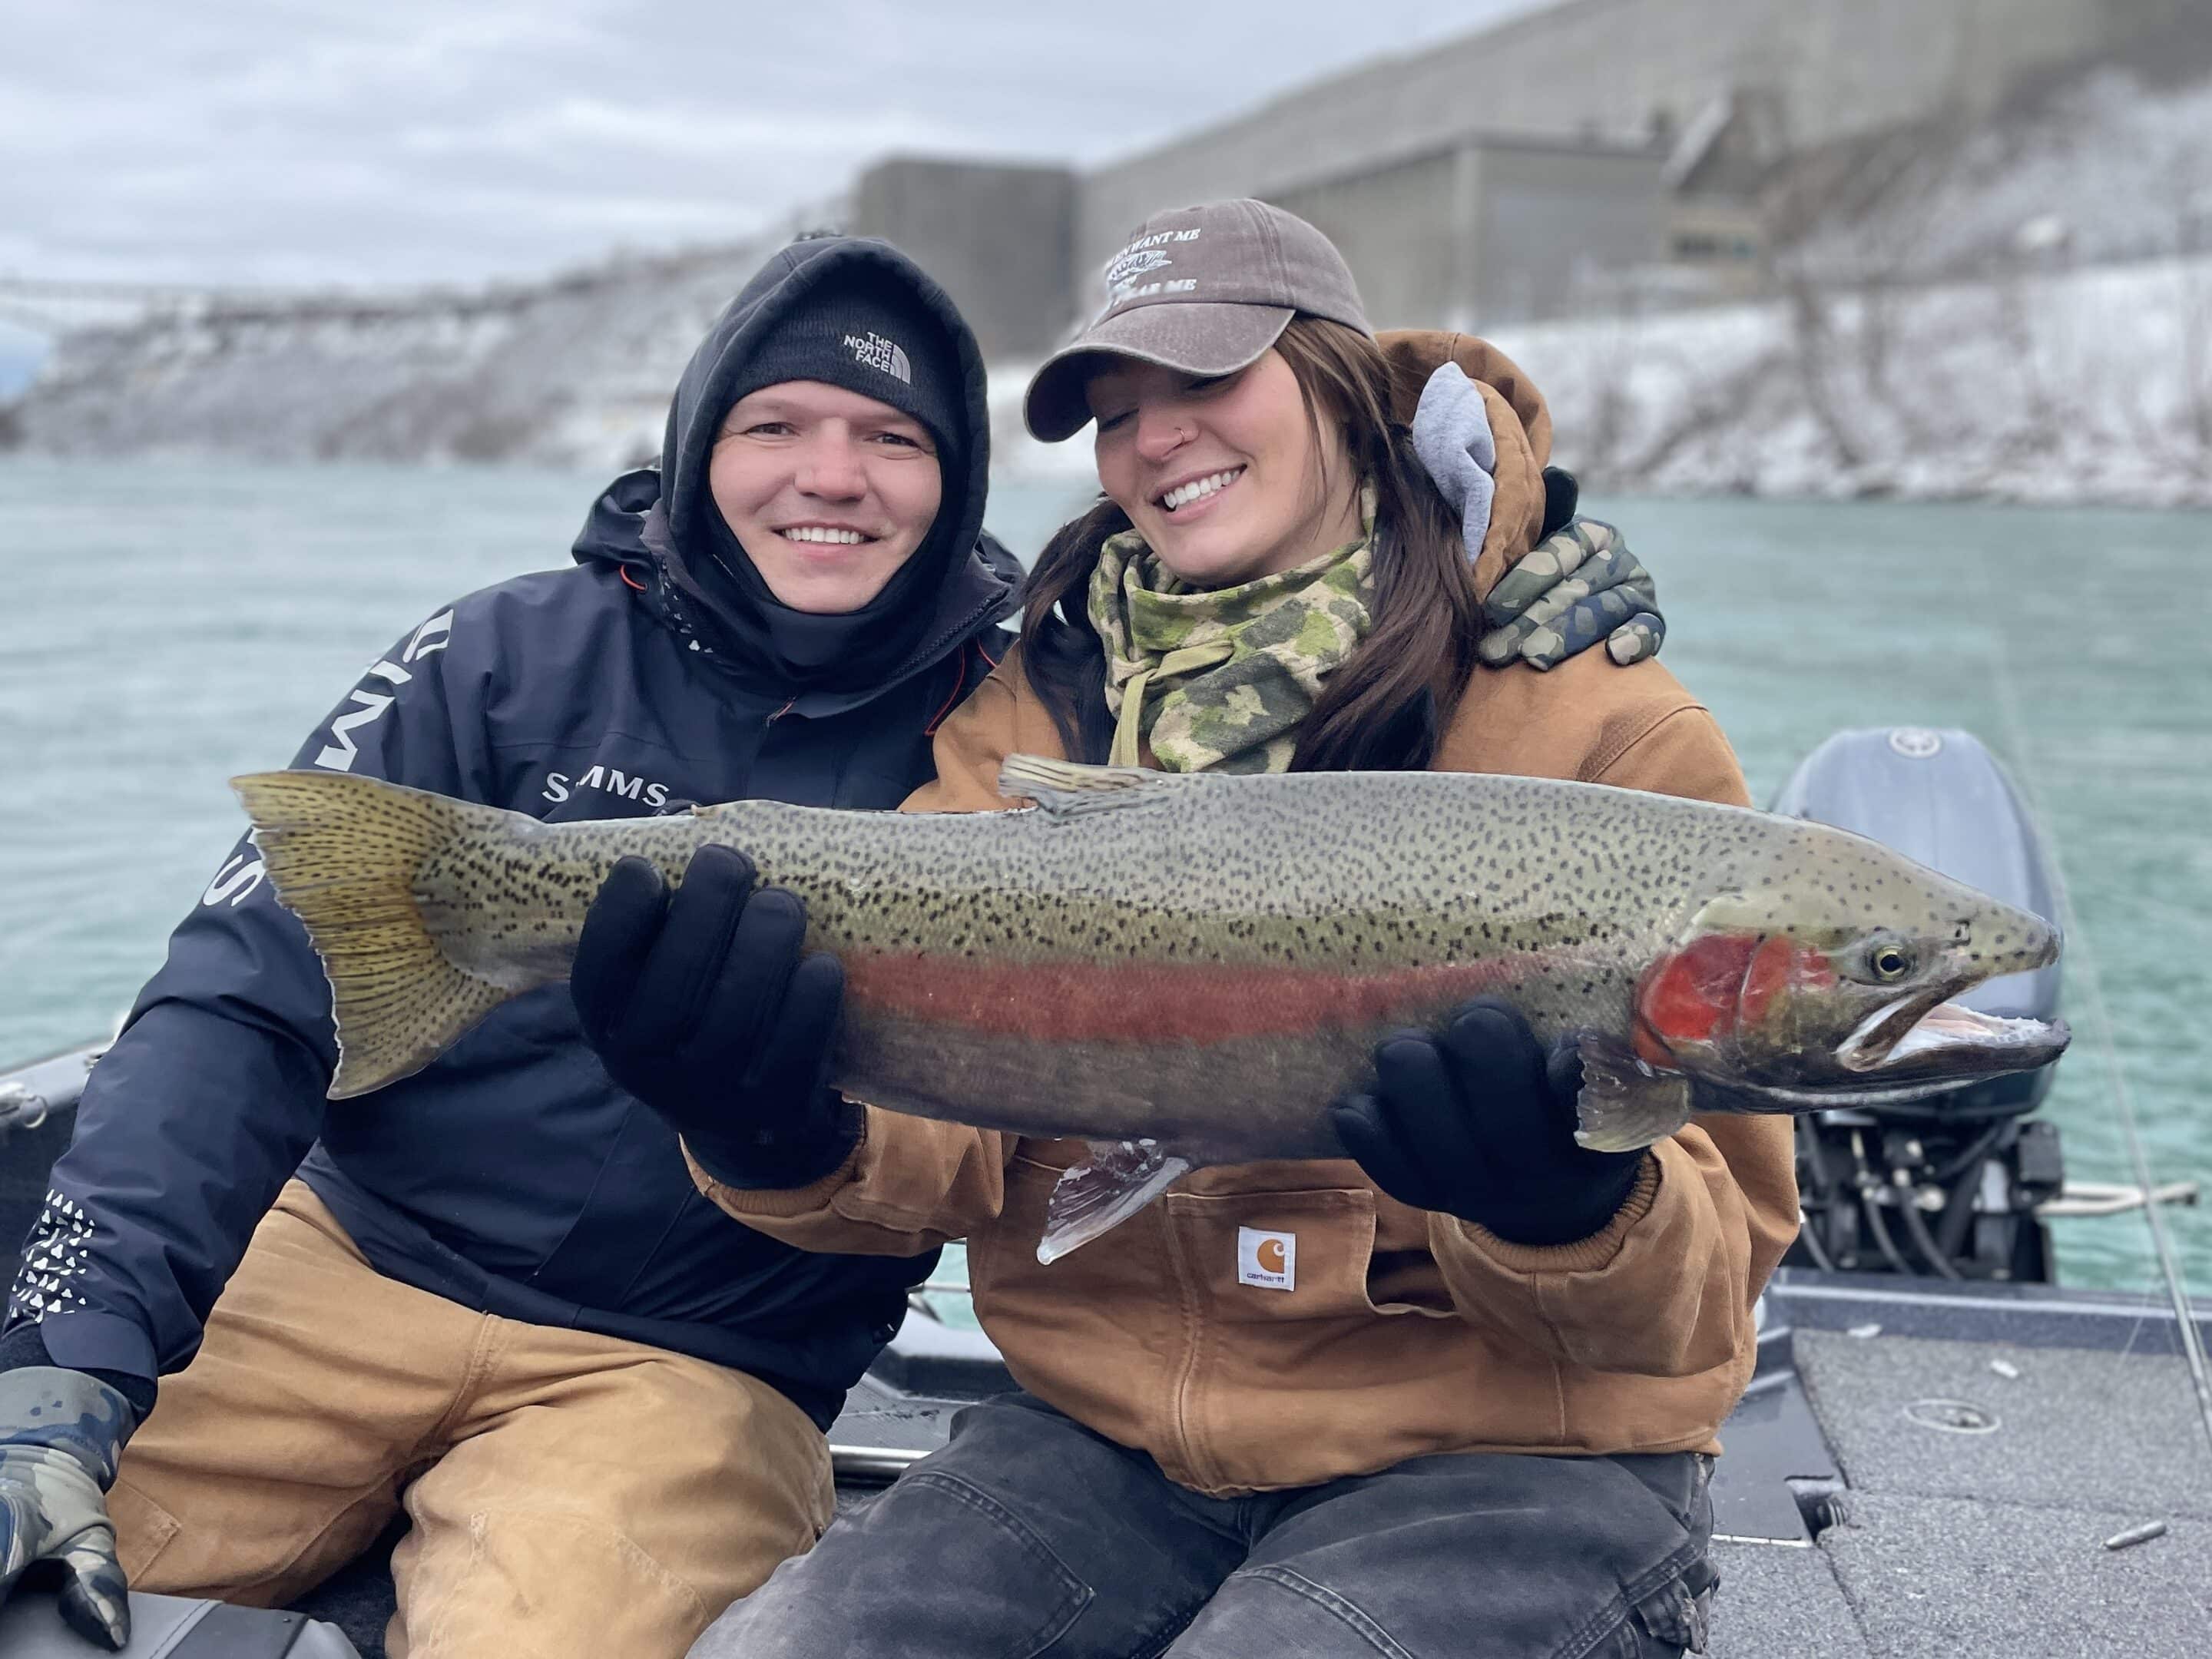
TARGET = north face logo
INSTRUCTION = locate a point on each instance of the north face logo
(877, 352)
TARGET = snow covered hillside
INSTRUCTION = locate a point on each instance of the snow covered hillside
(2092, 385)
(2021, 310)
(575, 370)
(2101, 168)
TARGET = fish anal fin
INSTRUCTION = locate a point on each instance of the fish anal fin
(1093, 1197)
(1064, 789)
(1627, 1103)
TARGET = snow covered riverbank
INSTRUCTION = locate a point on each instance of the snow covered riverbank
(2092, 384)
(2088, 387)
(2020, 310)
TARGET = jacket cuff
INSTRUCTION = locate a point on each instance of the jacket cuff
(1583, 1254)
(102, 1344)
(742, 1166)
(780, 1201)
(88, 1413)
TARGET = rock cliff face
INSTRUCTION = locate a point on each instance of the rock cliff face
(2021, 310)
(2090, 386)
(574, 371)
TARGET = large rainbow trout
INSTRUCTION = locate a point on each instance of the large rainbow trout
(1188, 970)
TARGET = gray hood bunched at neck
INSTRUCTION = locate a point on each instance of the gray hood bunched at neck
(901, 631)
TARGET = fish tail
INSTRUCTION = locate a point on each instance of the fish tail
(344, 854)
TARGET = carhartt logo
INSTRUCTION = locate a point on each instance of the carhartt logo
(1267, 1260)
(877, 352)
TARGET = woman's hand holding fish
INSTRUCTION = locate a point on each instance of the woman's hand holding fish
(1478, 1122)
(704, 1005)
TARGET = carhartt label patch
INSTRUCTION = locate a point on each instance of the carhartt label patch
(1267, 1260)
(877, 352)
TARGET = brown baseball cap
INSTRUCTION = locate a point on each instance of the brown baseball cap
(1205, 289)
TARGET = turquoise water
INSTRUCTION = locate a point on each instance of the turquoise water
(169, 625)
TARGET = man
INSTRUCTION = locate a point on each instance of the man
(492, 1295)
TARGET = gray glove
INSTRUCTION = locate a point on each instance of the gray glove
(1578, 587)
(61, 1435)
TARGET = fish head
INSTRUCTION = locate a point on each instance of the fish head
(1832, 980)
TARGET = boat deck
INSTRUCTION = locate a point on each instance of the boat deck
(1918, 1469)
(1981, 1472)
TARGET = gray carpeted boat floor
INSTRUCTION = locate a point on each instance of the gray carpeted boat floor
(1986, 1534)
(1978, 1499)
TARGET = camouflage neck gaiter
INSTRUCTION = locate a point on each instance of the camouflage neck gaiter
(1218, 679)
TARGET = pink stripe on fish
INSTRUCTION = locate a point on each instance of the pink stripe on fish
(1160, 1002)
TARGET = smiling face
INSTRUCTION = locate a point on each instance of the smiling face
(828, 492)
(1225, 478)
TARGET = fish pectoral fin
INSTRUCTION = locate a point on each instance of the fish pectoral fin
(1064, 789)
(1118, 1180)
(1627, 1103)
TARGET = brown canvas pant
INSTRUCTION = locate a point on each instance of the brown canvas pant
(570, 1493)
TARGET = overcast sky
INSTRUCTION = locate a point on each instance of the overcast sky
(380, 141)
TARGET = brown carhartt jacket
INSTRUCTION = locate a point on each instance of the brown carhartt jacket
(1402, 1332)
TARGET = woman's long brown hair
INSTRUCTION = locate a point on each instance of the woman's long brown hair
(1385, 707)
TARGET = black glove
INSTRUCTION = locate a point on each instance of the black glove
(1562, 495)
(1478, 1123)
(61, 1434)
(703, 1005)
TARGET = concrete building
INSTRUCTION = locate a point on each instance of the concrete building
(1000, 237)
(1516, 172)
(1521, 224)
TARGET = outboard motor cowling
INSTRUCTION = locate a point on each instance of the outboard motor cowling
(1941, 797)
(1947, 1183)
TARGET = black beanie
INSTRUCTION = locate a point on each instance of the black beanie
(872, 336)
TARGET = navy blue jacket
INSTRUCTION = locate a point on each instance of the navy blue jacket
(511, 1176)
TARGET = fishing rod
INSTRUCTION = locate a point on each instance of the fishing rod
(2078, 947)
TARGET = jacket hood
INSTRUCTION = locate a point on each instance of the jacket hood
(702, 395)
(1519, 429)
(654, 522)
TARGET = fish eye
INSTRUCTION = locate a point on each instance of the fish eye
(1890, 961)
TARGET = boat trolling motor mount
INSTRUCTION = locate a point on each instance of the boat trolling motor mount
(1949, 1184)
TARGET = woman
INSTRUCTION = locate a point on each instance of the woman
(1457, 1397)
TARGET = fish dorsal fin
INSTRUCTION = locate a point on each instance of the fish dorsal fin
(1064, 789)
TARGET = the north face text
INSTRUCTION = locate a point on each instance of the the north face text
(877, 352)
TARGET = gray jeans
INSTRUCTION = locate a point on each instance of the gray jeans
(1030, 1537)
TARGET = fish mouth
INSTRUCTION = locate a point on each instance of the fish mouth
(1916, 1037)
(1924, 1034)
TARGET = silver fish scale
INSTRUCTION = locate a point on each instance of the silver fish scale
(1203, 960)
(1340, 871)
